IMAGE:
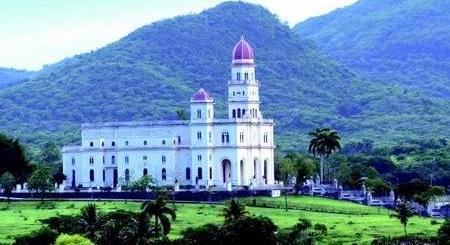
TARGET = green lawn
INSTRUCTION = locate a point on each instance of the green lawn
(22, 217)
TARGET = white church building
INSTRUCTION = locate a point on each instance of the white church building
(202, 151)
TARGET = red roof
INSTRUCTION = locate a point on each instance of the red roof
(201, 95)
(242, 52)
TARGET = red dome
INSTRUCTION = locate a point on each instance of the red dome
(243, 52)
(201, 95)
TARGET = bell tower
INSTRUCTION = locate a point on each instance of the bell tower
(243, 88)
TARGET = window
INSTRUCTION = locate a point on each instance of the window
(127, 160)
(103, 143)
(210, 157)
(113, 143)
(209, 113)
(243, 112)
(241, 137)
(246, 76)
(210, 173)
(145, 142)
(179, 140)
(234, 113)
(113, 159)
(225, 137)
(243, 92)
(104, 177)
(164, 142)
(266, 138)
(91, 144)
(234, 93)
(199, 113)
(188, 173)
(144, 158)
(91, 160)
(91, 175)
(199, 173)
(145, 172)
(103, 159)
(238, 76)
(239, 113)
(199, 135)
(163, 174)
(163, 159)
(210, 136)
(126, 142)
(127, 175)
(73, 160)
(199, 158)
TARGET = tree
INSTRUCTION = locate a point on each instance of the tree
(91, 220)
(65, 239)
(161, 213)
(142, 228)
(208, 234)
(323, 143)
(141, 184)
(424, 198)
(13, 158)
(443, 234)
(234, 210)
(40, 180)
(298, 234)
(403, 212)
(7, 183)
(249, 230)
(50, 153)
(182, 114)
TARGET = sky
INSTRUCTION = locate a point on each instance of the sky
(34, 33)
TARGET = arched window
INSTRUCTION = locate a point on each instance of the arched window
(163, 174)
(225, 137)
(73, 178)
(113, 143)
(243, 112)
(199, 113)
(238, 76)
(104, 177)
(127, 160)
(91, 175)
(145, 142)
(254, 168)
(91, 160)
(103, 159)
(210, 173)
(239, 113)
(126, 143)
(163, 142)
(113, 159)
(246, 76)
(188, 173)
(103, 143)
(91, 144)
(73, 160)
(179, 139)
(163, 159)
(234, 113)
(127, 175)
(199, 173)
(145, 172)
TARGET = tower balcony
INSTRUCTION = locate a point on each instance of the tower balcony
(244, 82)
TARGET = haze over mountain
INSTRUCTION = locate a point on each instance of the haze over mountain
(154, 71)
(9, 76)
(392, 41)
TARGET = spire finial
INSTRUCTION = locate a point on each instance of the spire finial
(242, 36)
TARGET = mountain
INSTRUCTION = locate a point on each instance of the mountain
(154, 71)
(9, 76)
(392, 41)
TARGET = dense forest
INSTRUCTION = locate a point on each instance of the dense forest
(153, 71)
(393, 42)
(9, 76)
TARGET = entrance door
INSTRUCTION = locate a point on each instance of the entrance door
(115, 178)
(226, 170)
(73, 178)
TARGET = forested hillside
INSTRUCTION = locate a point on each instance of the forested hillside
(154, 71)
(9, 77)
(393, 41)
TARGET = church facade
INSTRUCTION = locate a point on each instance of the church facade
(202, 151)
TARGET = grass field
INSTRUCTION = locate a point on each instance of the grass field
(23, 217)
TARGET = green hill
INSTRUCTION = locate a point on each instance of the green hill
(9, 77)
(155, 70)
(392, 41)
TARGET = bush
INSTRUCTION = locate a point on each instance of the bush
(44, 236)
(416, 240)
(321, 228)
(443, 234)
(65, 239)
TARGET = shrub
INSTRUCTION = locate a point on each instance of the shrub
(443, 234)
(65, 239)
(44, 236)
(321, 228)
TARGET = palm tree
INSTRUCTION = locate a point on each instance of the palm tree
(142, 228)
(234, 211)
(91, 220)
(324, 142)
(403, 212)
(161, 213)
(182, 114)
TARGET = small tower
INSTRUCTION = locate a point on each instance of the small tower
(243, 88)
(202, 107)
